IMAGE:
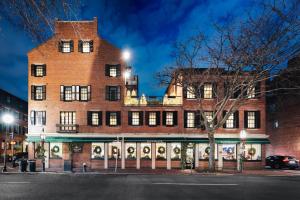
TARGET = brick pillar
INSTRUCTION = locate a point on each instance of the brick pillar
(196, 155)
(153, 149)
(105, 155)
(123, 154)
(31, 150)
(169, 148)
(220, 157)
(138, 155)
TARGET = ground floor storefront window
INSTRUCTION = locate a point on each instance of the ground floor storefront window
(56, 150)
(176, 151)
(97, 151)
(114, 150)
(253, 152)
(161, 152)
(229, 151)
(204, 150)
(130, 151)
(146, 151)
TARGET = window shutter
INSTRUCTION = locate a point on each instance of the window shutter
(107, 93)
(32, 92)
(89, 118)
(197, 119)
(175, 118)
(44, 70)
(100, 118)
(245, 119)
(71, 46)
(80, 46)
(257, 119)
(141, 116)
(44, 117)
(32, 70)
(214, 90)
(60, 46)
(118, 118)
(147, 117)
(257, 89)
(224, 113)
(164, 118)
(44, 92)
(107, 68)
(107, 115)
(185, 119)
(202, 91)
(89, 93)
(77, 94)
(62, 93)
(118, 70)
(236, 119)
(73, 92)
(32, 117)
(129, 118)
(118, 92)
(157, 118)
(91, 46)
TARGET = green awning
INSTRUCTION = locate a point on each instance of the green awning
(147, 139)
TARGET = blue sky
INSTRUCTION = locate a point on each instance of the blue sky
(147, 28)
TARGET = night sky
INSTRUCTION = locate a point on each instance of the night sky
(147, 28)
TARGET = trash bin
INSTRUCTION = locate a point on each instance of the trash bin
(22, 165)
(32, 165)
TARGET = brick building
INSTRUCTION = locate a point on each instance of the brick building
(18, 108)
(283, 119)
(87, 110)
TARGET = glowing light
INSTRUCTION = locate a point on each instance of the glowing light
(243, 134)
(127, 74)
(8, 118)
(126, 55)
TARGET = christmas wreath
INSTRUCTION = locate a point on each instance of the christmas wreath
(114, 150)
(176, 150)
(130, 150)
(207, 150)
(146, 150)
(252, 151)
(161, 150)
(97, 150)
(55, 149)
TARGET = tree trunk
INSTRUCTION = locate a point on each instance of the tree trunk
(211, 160)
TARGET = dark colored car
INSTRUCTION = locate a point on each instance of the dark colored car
(19, 156)
(278, 162)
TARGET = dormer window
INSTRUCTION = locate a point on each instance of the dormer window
(85, 46)
(66, 46)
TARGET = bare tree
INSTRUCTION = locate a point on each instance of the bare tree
(37, 17)
(237, 62)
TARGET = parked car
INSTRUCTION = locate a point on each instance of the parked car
(278, 162)
(19, 156)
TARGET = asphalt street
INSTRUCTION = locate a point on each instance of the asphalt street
(128, 187)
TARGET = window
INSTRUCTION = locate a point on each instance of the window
(130, 152)
(114, 150)
(85, 46)
(253, 151)
(190, 93)
(252, 119)
(38, 70)
(176, 151)
(251, 92)
(38, 118)
(55, 150)
(204, 150)
(68, 118)
(113, 93)
(146, 151)
(229, 151)
(190, 119)
(113, 70)
(135, 118)
(208, 91)
(75, 93)
(209, 117)
(152, 118)
(113, 118)
(161, 152)
(97, 150)
(38, 92)
(94, 118)
(66, 46)
(170, 118)
(232, 121)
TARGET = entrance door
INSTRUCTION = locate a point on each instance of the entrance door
(190, 156)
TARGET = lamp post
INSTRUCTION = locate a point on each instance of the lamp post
(43, 137)
(243, 137)
(7, 119)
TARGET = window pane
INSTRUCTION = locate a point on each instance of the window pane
(38, 92)
(66, 46)
(253, 151)
(190, 119)
(97, 150)
(114, 150)
(176, 151)
(68, 93)
(230, 121)
(190, 93)
(113, 119)
(152, 118)
(86, 46)
(169, 118)
(135, 118)
(161, 153)
(229, 151)
(204, 150)
(208, 91)
(146, 151)
(113, 71)
(251, 119)
(130, 152)
(39, 70)
(56, 150)
(95, 119)
(83, 93)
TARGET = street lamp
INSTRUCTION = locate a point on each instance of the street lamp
(7, 119)
(243, 137)
(43, 137)
(126, 55)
